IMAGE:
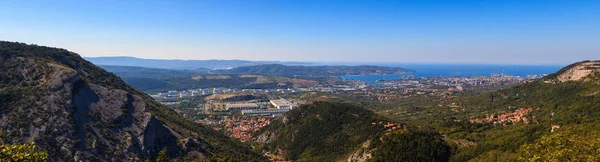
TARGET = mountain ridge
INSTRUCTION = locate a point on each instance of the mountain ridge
(577, 71)
(143, 72)
(180, 64)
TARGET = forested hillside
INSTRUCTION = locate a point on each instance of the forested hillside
(325, 131)
(571, 106)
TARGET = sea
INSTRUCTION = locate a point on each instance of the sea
(458, 70)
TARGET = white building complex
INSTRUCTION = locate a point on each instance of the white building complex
(241, 106)
(265, 112)
(283, 104)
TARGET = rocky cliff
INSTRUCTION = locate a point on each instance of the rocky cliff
(76, 111)
(579, 71)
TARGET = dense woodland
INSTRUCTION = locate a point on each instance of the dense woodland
(326, 131)
(322, 131)
(411, 145)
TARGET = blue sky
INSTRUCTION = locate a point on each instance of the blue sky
(420, 31)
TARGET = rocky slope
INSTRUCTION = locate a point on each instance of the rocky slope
(74, 110)
(579, 71)
(363, 154)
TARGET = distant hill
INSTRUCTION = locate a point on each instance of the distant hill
(156, 80)
(325, 131)
(76, 111)
(284, 70)
(217, 80)
(142, 72)
(180, 64)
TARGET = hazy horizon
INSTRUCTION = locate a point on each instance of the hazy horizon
(473, 32)
(351, 63)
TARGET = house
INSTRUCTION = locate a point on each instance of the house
(554, 127)
(205, 92)
(156, 96)
(183, 94)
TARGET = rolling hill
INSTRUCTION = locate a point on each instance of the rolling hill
(142, 72)
(215, 81)
(75, 110)
(326, 131)
(156, 80)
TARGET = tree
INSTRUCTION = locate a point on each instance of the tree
(21, 152)
(162, 156)
(220, 159)
(411, 145)
(564, 145)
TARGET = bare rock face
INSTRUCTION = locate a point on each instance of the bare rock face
(285, 120)
(74, 119)
(60, 75)
(579, 71)
(363, 154)
(265, 137)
